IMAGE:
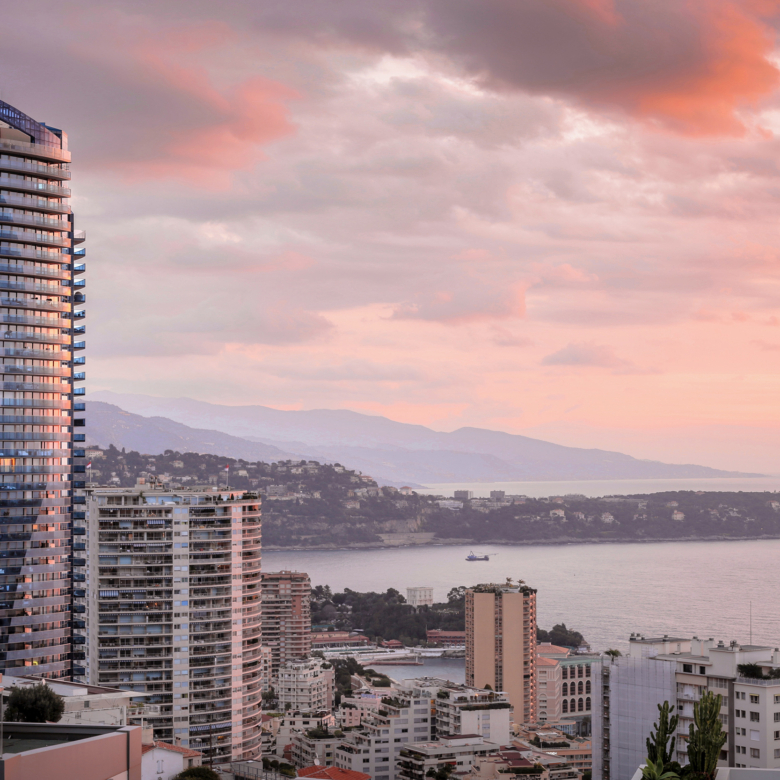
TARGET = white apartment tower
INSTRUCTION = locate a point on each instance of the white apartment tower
(173, 612)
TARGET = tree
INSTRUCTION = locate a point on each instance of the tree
(613, 653)
(706, 736)
(657, 750)
(34, 704)
(197, 773)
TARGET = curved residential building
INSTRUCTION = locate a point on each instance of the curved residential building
(41, 293)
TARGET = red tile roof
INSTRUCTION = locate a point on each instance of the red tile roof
(331, 773)
(173, 748)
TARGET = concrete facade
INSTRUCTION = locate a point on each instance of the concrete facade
(173, 612)
(501, 644)
(286, 617)
(419, 597)
(306, 686)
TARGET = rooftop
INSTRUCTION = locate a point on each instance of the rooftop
(172, 748)
(331, 773)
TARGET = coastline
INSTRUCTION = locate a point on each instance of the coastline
(561, 541)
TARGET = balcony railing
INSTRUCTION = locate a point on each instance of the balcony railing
(34, 150)
(33, 237)
(25, 185)
(40, 204)
(40, 169)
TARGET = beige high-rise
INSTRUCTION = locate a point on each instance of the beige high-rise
(501, 643)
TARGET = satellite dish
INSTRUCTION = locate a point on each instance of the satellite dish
(316, 762)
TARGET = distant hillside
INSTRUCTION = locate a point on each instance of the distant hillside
(392, 452)
(108, 424)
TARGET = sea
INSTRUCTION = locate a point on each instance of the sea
(727, 590)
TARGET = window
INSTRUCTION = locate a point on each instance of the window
(777, 752)
(777, 717)
(587, 704)
(755, 735)
(587, 687)
(688, 668)
(754, 717)
(566, 693)
(580, 705)
(777, 699)
(702, 670)
(566, 706)
(755, 753)
(754, 698)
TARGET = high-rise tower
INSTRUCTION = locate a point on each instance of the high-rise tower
(501, 644)
(40, 334)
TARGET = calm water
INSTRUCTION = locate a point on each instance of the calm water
(605, 591)
(604, 487)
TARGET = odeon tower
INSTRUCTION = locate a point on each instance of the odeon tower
(41, 335)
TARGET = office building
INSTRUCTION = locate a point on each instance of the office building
(501, 644)
(286, 617)
(40, 290)
(173, 612)
(305, 686)
(463, 495)
(419, 597)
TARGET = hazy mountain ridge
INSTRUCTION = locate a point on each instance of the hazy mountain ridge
(390, 451)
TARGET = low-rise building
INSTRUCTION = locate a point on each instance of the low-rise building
(440, 638)
(70, 752)
(460, 752)
(355, 709)
(163, 760)
(84, 704)
(419, 596)
(460, 709)
(331, 773)
(316, 746)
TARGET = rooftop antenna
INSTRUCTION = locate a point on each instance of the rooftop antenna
(751, 622)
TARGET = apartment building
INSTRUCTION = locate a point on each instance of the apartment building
(750, 707)
(84, 704)
(403, 718)
(311, 748)
(460, 752)
(501, 644)
(172, 605)
(458, 709)
(42, 456)
(419, 597)
(286, 617)
(306, 686)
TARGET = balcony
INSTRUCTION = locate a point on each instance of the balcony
(35, 220)
(33, 237)
(25, 253)
(25, 185)
(34, 150)
(17, 165)
(35, 204)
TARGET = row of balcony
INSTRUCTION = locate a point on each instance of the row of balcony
(34, 185)
(32, 203)
(33, 237)
(14, 164)
(39, 151)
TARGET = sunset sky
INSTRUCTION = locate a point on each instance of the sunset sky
(550, 217)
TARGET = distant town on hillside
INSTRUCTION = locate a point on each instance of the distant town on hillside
(307, 504)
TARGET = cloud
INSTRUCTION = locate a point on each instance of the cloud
(584, 354)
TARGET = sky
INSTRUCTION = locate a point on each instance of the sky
(550, 217)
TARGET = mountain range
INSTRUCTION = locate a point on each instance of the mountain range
(394, 453)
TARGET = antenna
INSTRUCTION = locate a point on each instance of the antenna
(751, 622)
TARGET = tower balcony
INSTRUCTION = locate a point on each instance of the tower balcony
(33, 237)
(37, 151)
(26, 185)
(17, 165)
(34, 204)
(35, 220)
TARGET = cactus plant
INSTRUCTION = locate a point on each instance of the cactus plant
(706, 736)
(658, 741)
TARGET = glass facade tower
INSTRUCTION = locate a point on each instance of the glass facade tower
(41, 311)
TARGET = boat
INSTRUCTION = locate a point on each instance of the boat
(472, 557)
